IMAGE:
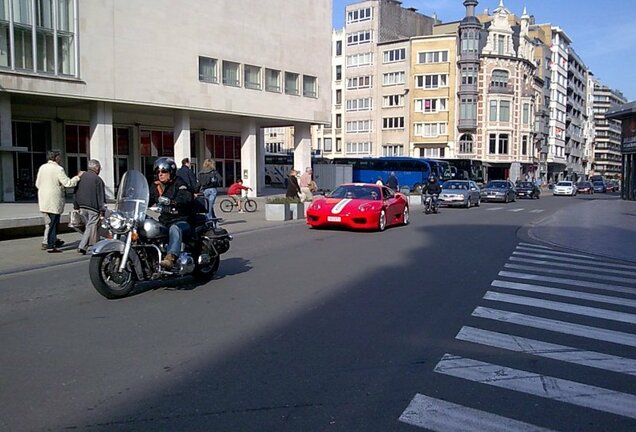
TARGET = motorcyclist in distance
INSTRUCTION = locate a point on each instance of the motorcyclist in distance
(174, 215)
(432, 188)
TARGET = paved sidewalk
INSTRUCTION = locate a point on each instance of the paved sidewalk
(25, 253)
(605, 228)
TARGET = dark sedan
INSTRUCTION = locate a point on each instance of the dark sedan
(499, 190)
(528, 189)
(585, 187)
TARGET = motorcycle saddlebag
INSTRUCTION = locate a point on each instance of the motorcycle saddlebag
(220, 238)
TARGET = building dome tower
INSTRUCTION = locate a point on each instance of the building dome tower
(469, 45)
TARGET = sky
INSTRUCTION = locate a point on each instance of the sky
(603, 33)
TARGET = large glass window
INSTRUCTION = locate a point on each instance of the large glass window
(231, 73)
(252, 77)
(291, 83)
(208, 69)
(309, 86)
(504, 111)
(272, 80)
(493, 110)
(499, 78)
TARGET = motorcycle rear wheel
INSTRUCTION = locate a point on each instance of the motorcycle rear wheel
(206, 273)
(103, 271)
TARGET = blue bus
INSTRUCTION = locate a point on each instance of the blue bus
(442, 169)
(411, 172)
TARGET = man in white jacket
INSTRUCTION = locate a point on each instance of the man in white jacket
(51, 183)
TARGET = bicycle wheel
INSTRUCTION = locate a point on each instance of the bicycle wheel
(249, 205)
(226, 205)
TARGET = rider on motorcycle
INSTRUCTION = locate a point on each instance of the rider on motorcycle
(175, 215)
(432, 188)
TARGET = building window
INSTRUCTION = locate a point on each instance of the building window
(525, 114)
(338, 145)
(338, 73)
(393, 78)
(309, 86)
(493, 110)
(392, 150)
(358, 126)
(338, 48)
(358, 148)
(467, 108)
(252, 77)
(492, 143)
(428, 152)
(359, 38)
(363, 104)
(208, 69)
(395, 55)
(328, 145)
(431, 105)
(470, 41)
(504, 111)
(499, 78)
(291, 83)
(338, 97)
(469, 75)
(359, 15)
(361, 59)
(272, 80)
(231, 74)
(392, 101)
(430, 129)
(466, 144)
(359, 82)
(503, 144)
(431, 81)
(524, 145)
(338, 121)
(393, 123)
(432, 57)
(501, 44)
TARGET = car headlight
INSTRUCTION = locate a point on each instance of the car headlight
(366, 207)
(316, 206)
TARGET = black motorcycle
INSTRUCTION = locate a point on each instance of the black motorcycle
(139, 243)
(431, 203)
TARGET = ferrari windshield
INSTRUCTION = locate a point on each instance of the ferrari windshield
(132, 196)
(357, 192)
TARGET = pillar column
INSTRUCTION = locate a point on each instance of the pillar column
(101, 144)
(249, 172)
(182, 136)
(302, 146)
(260, 159)
(6, 157)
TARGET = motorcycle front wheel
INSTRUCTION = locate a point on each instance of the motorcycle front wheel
(106, 278)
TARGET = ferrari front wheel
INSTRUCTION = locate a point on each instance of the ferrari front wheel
(382, 221)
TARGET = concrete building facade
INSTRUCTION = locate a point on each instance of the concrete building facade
(607, 142)
(127, 82)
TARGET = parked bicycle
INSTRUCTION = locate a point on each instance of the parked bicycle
(229, 204)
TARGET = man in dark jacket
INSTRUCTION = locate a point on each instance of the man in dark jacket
(186, 174)
(392, 181)
(174, 215)
(90, 200)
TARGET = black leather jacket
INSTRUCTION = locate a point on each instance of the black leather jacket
(180, 200)
(432, 189)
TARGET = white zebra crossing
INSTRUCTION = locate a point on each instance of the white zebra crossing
(538, 263)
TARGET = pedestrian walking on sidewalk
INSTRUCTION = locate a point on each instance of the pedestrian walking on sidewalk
(209, 181)
(293, 188)
(51, 182)
(90, 200)
(306, 184)
(187, 175)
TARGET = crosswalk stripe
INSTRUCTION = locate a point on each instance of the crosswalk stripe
(537, 211)
(516, 210)
(553, 252)
(621, 301)
(572, 266)
(534, 245)
(548, 387)
(548, 350)
(494, 208)
(565, 281)
(572, 273)
(557, 326)
(573, 260)
(442, 416)
(561, 307)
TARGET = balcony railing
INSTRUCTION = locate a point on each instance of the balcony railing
(500, 90)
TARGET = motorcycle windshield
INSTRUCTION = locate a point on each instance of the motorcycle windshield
(132, 197)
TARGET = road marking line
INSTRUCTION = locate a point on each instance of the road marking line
(574, 260)
(516, 210)
(572, 273)
(537, 211)
(548, 350)
(622, 301)
(572, 266)
(553, 252)
(561, 307)
(494, 208)
(534, 245)
(573, 282)
(556, 326)
(442, 416)
(548, 387)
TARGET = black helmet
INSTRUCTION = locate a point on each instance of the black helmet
(165, 163)
(431, 179)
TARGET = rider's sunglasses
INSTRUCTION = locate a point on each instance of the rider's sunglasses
(164, 171)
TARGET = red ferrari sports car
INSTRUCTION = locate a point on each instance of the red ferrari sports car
(359, 206)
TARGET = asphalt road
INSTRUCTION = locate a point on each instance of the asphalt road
(327, 330)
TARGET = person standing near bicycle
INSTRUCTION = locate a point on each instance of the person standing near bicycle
(235, 192)
(209, 181)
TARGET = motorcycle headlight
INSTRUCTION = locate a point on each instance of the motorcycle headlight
(117, 222)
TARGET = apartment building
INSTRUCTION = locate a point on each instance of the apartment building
(127, 82)
(607, 142)
(576, 118)
(433, 112)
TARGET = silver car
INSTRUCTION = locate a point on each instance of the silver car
(463, 193)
